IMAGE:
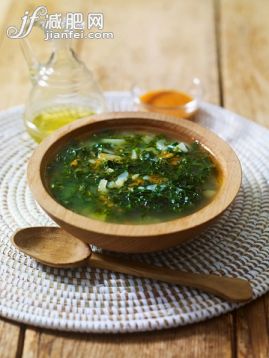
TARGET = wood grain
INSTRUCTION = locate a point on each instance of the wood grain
(178, 41)
(252, 330)
(244, 50)
(210, 339)
(175, 59)
(13, 69)
(10, 342)
(157, 44)
(10, 333)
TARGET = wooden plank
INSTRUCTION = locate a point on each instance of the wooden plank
(32, 344)
(159, 48)
(11, 336)
(252, 330)
(152, 48)
(14, 74)
(244, 48)
(156, 44)
(15, 85)
(209, 339)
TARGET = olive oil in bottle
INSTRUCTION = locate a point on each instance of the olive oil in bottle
(63, 91)
(50, 119)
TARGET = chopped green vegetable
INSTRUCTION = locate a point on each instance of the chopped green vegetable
(132, 177)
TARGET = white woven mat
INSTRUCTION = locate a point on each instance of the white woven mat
(92, 300)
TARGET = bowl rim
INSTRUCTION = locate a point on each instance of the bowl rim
(222, 152)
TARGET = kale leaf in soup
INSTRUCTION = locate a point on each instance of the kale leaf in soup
(132, 177)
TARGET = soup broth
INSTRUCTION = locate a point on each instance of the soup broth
(132, 177)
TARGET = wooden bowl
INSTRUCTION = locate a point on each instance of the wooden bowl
(135, 238)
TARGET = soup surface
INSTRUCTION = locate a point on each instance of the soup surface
(132, 177)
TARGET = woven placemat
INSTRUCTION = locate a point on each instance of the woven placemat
(93, 300)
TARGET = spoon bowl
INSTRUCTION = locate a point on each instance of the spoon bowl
(49, 246)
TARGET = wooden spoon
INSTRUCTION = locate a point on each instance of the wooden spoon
(54, 247)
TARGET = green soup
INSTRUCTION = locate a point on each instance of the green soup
(132, 177)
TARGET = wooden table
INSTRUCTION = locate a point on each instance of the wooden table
(158, 43)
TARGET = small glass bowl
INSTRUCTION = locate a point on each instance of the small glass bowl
(182, 111)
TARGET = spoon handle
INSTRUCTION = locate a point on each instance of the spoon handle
(231, 289)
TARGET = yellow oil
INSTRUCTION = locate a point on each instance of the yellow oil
(51, 119)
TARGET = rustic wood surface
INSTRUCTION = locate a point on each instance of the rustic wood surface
(158, 43)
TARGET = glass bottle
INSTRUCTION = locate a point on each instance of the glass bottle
(63, 90)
